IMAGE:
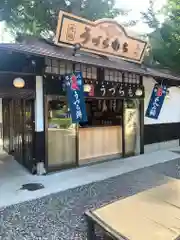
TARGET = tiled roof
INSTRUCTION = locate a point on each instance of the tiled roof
(43, 48)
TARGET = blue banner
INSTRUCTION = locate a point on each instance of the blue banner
(75, 95)
(156, 101)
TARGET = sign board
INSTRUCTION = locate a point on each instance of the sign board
(118, 90)
(104, 37)
(130, 131)
(75, 95)
(156, 101)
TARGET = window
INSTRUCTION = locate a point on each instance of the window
(132, 78)
(103, 112)
(55, 67)
(88, 72)
(58, 114)
(111, 75)
(48, 65)
(58, 67)
(62, 68)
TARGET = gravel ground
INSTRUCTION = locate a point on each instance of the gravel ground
(61, 215)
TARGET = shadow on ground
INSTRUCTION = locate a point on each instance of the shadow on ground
(61, 215)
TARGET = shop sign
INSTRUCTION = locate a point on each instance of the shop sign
(103, 37)
(115, 90)
(75, 95)
(130, 123)
(156, 101)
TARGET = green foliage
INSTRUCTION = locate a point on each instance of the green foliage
(61, 122)
(165, 39)
(39, 17)
(150, 16)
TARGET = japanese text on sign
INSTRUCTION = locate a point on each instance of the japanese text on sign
(155, 105)
(75, 95)
(156, 101)
(105, 37)
(76, 102)
(110, 89)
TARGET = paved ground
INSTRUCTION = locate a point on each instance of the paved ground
(13, 176)
(61, 215)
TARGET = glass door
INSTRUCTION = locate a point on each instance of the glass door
(6, 125)
(61, 134)
(16, 129)
(131, 128)
(28, 133)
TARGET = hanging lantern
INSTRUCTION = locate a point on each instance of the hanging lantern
(87, 88)
(139, 92)
(18, 82)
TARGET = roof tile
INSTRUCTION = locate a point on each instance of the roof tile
(43, 48)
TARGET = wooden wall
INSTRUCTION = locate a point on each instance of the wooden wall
(61, 147)
(154, 133)
(99, 142)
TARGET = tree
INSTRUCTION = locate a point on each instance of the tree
(165, 38)
(150, 16)
(39, 17)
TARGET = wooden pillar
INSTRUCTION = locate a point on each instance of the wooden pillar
(1, 125)
(141, 111)
(39, 127)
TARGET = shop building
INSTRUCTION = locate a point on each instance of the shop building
(37, 128)
(164, 132)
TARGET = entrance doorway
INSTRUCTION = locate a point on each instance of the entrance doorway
(18, 130)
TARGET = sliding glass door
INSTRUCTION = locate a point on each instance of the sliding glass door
(61, 134)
